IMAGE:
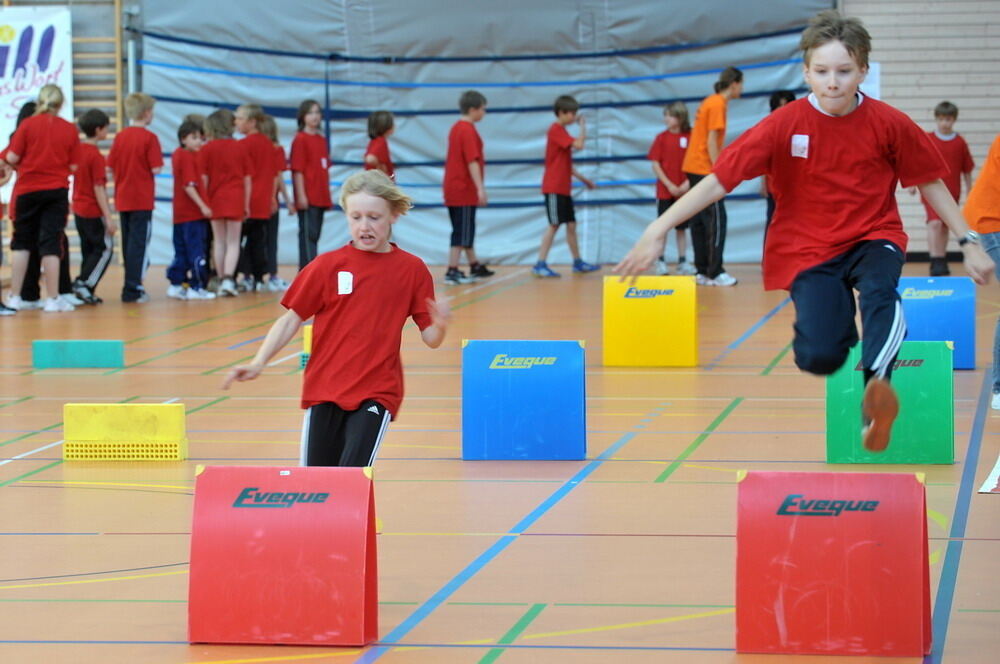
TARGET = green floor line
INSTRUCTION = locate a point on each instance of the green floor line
(30, 473)
(199, 322)
(184, 348)
(773, 363)
(494, 653)
(15, 402)
(205, 405)
(698, 441)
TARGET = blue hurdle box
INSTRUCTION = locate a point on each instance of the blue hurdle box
(942, 309)
(77, 354)
(523, 400)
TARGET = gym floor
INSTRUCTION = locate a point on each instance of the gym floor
(628, 555)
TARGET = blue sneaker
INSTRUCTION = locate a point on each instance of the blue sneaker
(580, 265)
(542, 269)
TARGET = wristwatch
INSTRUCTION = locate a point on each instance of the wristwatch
(971, 236)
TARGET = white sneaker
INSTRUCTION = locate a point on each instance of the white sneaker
(686, 269)
(228, 287)
(200, 294)
(15, 302)
(71, 298)
(177, 292)
(725, 279)
(702, 280)
(661, 268)
(995, 404)
(57, 305)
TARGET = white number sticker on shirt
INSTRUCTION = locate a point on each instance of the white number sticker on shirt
(684, 141)
(345, 283)
(800, 145)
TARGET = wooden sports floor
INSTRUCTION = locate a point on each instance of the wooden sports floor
(627, 556)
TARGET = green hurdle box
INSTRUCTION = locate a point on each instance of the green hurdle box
(77, 354)
(924, 431)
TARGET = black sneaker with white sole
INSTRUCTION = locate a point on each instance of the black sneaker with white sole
(480, 271)
(455, 276)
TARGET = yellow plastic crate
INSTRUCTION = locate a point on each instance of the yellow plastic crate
(124, 432)
(651, 323)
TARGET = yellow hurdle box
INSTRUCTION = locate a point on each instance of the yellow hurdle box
(651, 323)
(124, 432)
(307, 344)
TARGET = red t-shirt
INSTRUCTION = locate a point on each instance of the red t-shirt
(833, 178)
(668, 151)
(260, 155)
(134, 154)
(89, 173)
(956, 154)
(280, 166)
(47, 146)
(379, 147)
(311, 157)
(558, 175)
(464, 147)
(360, 301)
(225, 163)
(184, 164)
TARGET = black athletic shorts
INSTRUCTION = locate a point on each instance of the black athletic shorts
(332, 436)
(661, 206)
(463, 225)
(559, 208)
(40, 222)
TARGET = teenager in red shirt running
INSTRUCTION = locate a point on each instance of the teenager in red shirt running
(359, 297)
(832, 161)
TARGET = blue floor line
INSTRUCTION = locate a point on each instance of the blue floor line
(746, 335)
(484, 558)
(953, 557)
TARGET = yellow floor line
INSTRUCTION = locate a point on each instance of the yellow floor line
(718, 470)
(82, 581)
(148, 486)
(644, 623)
(292, 658)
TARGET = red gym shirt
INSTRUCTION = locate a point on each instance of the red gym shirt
(184, 164)
(833, 179)
(360, 301)
(134, 154)
(311, 157)
(558, 175)
(260, 156)
(956, 154)
(379, 147)
(668, 151)
(225, 163)
(47, 146)
(90, 173)
(464, 147)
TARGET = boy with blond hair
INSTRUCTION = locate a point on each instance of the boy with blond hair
(134, 159)
(833, 160)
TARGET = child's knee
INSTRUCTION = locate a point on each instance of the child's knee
(820, 361)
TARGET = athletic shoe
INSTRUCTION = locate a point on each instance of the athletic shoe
(542, 269)
(480, 271)
(702, 280)
(72, 299)
(245, 285)
(455, 276)
(939, 267)
(276, 285)
(879, 408)
(7, 311)
(582, 266)
(686, 269)
(16, 303)
(725, 279)
(228, 288)
(995, 404)
(57, 305)
(141, 299)
(82, 291)
(199, 294)
(177, 292)
(661, 268)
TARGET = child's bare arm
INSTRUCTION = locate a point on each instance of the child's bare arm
(193, 194)
(649, 246)
(713, 145)
(476, 173)
(299, 182)
(277, 337)
(977, 263)
(584, 179)
(582, 138)
(247, 187)
(433, 334)
(662, 177)
(101, 194)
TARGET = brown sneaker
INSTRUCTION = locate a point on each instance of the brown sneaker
(879, 408)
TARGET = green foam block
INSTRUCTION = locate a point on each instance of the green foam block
(924, 431)
(77, 354)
